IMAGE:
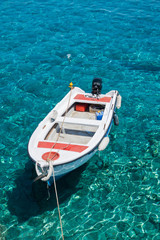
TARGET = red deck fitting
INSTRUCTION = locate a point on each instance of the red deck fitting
(63, 146)
(82, 97)
(50, 156)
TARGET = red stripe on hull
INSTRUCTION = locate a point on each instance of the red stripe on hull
(82, 97)
(62, 146)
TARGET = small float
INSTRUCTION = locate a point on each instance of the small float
(73, 131)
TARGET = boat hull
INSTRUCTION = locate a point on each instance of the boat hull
(66, 139)
(63, 169)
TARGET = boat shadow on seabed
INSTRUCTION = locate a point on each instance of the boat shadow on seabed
(29, 199)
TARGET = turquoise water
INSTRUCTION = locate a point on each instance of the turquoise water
(115, 195)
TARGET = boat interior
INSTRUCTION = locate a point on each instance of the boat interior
(84, 110)
(76, 131)
(71, 133)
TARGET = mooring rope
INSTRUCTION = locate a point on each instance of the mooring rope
(59, 213)
(49, 159)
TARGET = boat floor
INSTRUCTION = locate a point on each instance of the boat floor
(85, 115)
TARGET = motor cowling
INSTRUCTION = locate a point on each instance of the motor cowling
(96, 86)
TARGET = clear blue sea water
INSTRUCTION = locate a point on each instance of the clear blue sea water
(115, 195)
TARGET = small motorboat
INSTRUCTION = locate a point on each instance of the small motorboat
(73, 131)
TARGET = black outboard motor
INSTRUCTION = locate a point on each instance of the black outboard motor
(96, 86)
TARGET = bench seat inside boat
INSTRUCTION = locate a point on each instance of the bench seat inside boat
(73, 131)
(81, 121)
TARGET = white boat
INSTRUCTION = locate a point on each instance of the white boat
(73, 131)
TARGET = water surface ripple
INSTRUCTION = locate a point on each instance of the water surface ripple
(45, 45)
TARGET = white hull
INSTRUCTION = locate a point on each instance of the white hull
(61, 170)
(67, 140)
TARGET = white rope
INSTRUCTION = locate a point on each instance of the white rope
(59, 213)
(51, 167)
(49, 160)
